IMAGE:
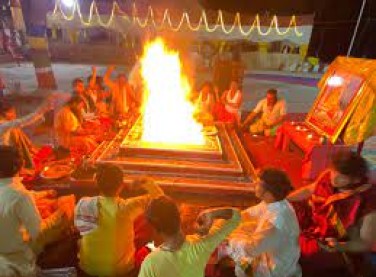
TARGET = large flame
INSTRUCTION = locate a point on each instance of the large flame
(167, 113)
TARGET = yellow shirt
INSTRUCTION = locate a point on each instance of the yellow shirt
(109, 250)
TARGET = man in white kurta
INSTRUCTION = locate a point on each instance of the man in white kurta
(271, 112)
(23, 233)
(266, 242)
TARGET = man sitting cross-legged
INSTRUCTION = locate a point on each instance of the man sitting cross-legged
(69, 127)
(272, 112)
(266, 242)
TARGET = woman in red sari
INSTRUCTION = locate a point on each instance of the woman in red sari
(337, 215)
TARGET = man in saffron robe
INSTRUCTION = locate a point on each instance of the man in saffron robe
(339, 223)
(69, 130)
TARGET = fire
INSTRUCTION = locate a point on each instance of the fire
(167, 113)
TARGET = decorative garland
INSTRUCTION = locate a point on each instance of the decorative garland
(166, 21)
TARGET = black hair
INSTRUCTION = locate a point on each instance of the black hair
(109, 179)
(276, 182)
(350, 164)
(76, 81)
(272, 91)
(11, 161)
(163, 214)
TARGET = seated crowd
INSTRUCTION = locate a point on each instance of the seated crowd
(328, 224)
(84, 120)
(277, 237)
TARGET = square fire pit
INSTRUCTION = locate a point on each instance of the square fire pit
(220, 164)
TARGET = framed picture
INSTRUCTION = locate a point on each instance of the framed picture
(335, 103)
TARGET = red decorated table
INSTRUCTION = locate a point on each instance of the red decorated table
(317, 150)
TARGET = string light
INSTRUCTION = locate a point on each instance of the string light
(166, 22)
(190, 25)
(244, 33)
(227, 32)
(205, 19)
(68, 3)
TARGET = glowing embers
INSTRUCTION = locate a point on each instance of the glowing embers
(133, 145)
(220, 164)
(167, 112)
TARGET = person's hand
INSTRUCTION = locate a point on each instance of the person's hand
(204, 222)
(94, 69)
(335, 244)
(329, 245)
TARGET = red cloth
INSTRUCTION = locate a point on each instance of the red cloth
(317, 220)
(43, 155)
(221, 114)
(99, 130)
(144, 233)
(316, 154)
(140, 256)
(289, 132)
(106, 123)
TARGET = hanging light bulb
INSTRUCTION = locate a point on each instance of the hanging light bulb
(68, 3)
